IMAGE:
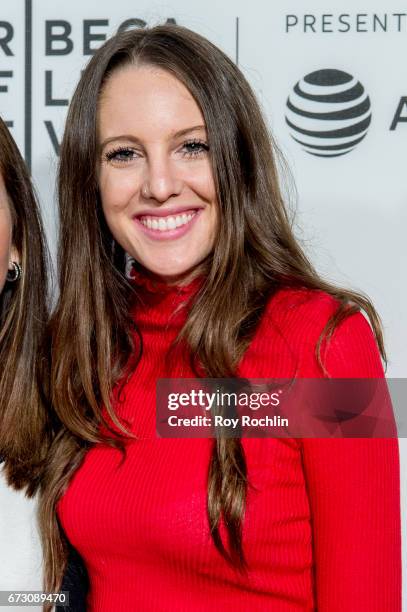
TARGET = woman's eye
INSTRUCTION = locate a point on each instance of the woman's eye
(194, 147)
(124, 154)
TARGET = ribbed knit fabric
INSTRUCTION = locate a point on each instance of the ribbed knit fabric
(322, 524)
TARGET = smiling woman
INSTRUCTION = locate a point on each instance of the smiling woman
(166, 158)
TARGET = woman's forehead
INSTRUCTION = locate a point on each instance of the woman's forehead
(147, 100)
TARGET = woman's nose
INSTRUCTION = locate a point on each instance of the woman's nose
(161, 181)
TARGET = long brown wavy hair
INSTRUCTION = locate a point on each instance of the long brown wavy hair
(24, 433)
(255, 254)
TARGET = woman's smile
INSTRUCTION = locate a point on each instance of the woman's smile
(163, 225)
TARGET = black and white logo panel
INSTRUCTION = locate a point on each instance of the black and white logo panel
(328, 113)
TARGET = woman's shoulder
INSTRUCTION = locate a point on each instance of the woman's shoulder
(299, 315)
(308, 310)
(289, 302)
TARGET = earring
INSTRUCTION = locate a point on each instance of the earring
(14, 274)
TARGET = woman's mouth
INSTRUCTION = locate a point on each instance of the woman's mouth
(163, 224)
(171, 226)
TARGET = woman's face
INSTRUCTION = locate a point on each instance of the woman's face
(5, 234)
(155, 178)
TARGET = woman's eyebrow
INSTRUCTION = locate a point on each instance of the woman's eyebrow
(195, 128)
(133, 138)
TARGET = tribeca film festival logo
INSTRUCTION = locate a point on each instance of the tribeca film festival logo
(328, 112)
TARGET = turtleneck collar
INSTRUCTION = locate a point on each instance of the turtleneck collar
(158, 306)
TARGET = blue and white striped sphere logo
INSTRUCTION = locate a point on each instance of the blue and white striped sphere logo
(328, 113)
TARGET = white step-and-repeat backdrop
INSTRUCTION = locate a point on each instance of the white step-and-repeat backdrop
(349, 170)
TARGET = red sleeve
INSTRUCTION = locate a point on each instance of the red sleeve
(354, 494)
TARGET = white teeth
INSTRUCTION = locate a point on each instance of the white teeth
(163, 224)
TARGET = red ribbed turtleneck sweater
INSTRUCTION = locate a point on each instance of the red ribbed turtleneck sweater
(322, 523)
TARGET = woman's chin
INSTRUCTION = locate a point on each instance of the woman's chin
(172, 275)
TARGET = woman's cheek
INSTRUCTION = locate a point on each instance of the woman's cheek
(203, 184)
(117, 191)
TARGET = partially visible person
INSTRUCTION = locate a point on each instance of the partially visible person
(24, 433)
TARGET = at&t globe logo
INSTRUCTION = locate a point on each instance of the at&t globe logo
(328, 113)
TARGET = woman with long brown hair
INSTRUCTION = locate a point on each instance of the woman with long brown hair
(166, 157)
(24, 432)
